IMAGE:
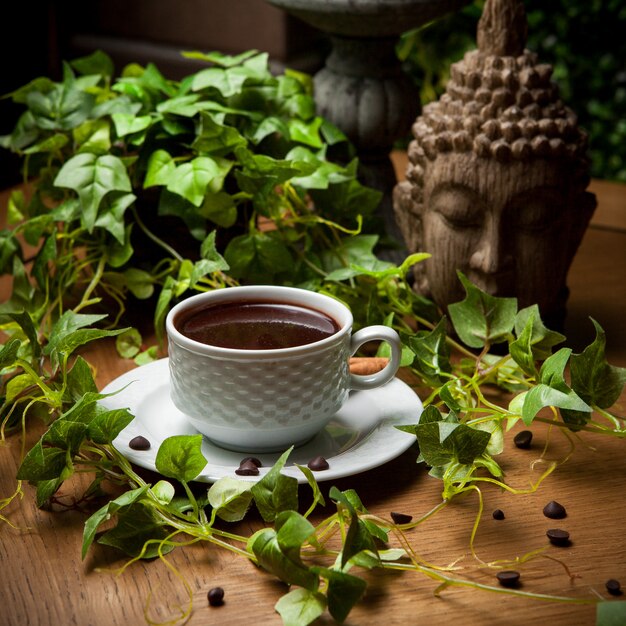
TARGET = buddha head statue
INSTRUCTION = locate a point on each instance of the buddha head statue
(497, 176)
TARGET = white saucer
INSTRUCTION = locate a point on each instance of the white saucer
(360, 437)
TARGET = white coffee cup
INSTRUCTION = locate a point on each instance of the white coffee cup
(267, 400)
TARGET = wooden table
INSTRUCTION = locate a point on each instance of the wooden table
(44, 582)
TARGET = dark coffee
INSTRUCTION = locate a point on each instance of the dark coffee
(246, 325)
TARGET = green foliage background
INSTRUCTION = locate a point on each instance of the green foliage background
(583, 40)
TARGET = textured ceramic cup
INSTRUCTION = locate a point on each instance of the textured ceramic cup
(267, 400)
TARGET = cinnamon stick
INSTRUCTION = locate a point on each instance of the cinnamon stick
(364, 366)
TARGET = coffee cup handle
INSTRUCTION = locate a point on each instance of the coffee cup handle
(376, 333)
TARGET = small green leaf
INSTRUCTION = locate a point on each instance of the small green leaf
(432, 354)
(592, 377)
(482, 319)
(300, 607)
(181, 457)
(522, 350)
(161, 169)
(543, 396)
(126, 123)
(191, 180)
(128, 343)
(542, 339)
(163, 491)
(139, 282)
(8, 353)
(230, 498)
(276, 492)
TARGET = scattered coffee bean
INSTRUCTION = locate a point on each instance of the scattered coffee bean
(613, 587)
(400, 518)
(216, 596)
(498, 514)
(252, 459)
(523, 439)
(318, 464)
(558, 537)
(508, 578)
(554, 510)
(247, 468)
(139, 443)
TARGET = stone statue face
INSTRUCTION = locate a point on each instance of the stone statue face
(510, 228)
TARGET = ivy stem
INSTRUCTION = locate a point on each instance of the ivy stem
(95, 279)
(154, 238)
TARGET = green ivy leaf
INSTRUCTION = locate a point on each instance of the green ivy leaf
(161, 169)
(220, 208)
(258, 256)
(542, 339)
(127, 123)
(522, 350)
(42, 463)
(191, 180)
(138, 531)
(300, 607)
(344, 591)
(180, 457)
(358, 537)
(481, 319)
(139, 282)
(593, 379)
(106, 512)
(230, 498)
(128, 343)
(111, 216)
(445, 440)
(93, 136)
(215, 138)
(105, 427)
(543, 396)
(278, 550)
(276, 492)
(80, 381)
(432, 354)
(92, 177)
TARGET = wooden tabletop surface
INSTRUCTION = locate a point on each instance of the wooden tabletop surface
(43, 580)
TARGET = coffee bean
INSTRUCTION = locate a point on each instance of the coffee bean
(216, 596)
(558, 537)
(554, 510)
(318, 464)
(400, 518)
(613, 587)
(523, 439)
(252, 459)
(247, 468)
(498, 514)
(508, 578)
(139, 443)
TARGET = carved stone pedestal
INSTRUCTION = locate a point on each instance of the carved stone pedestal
(362, 88)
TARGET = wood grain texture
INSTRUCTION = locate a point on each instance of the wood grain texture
(43, 581)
